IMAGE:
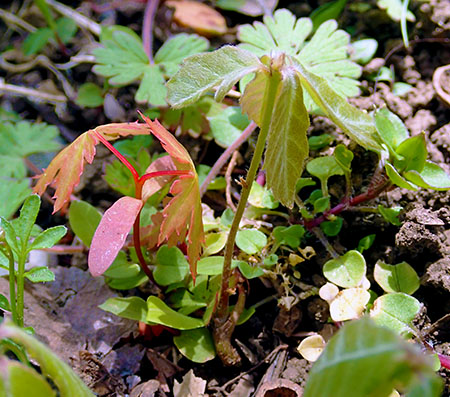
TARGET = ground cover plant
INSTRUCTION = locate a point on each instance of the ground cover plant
(258, 215)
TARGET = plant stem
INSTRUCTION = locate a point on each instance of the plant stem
(147, 28)
(347, 203)
(222, 326)
(12, 284)
(20, 288)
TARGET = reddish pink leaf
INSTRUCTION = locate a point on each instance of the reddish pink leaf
(183, 213)
(66, 168)
(111, 233)
(152, 185)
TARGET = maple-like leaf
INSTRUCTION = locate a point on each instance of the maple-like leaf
(66, 168)
(183, 213)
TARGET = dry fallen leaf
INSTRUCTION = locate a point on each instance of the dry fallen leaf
(200, 17)
(311, 347)
(191, 386)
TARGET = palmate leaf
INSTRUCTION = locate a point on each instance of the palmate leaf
(182, 216)
(123, 60)
(325, 54)
(66, 168)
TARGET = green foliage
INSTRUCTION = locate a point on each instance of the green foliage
(15, 245)
(394, 9)
(362, 51)
(228, 125)
(290, 236)
(123, 61)
(366, 360)
(84, 219)
(124, 274)
(196, 344)
(172, 267)
(396, 278)
(408, 166)
(261, 197)
(20, 380)
(325, 54)
(347, 271)
(396, 311)
(253, 8)
(89, 95)
(251, 241)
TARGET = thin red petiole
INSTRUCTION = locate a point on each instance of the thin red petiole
(116, 153)
(155, 174)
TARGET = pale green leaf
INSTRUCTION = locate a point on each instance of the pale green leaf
(253, 8)
(251, 241)
(24, 138)
(357, 124)
(324, 168)
(213, 265)
(36, 40)
(201, 73)
(133, 308)
(287, 143)
(431, 177)
(158, 312)
(395, 311)
(364, 360)
(390, 128)
(152, 88)
(27, 218)
(66, 381)
(89, 95)
(394, 9)
(66, 28)
(12, 194)
(253, 98)
(362, 51)
(347, 271)
(397, 179)
(228, 125)
(196, 344)
(177, 48)
(396, 278)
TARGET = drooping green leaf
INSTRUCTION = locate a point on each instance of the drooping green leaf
(357, 124)
(132, 307)
(363, 359)
(172, 266)
(390, 128)
(200, 73)
(431, 177)
(89, 95)
(66, 381)
(251, 241)
(396, 278)
(347, 271)
(395, 311)
(24, 138)
(196, 344)
(287, 143)
(48, 238)
(325, 54)
(318, 142)
(413, 154)
(84, 219)
(40, 274)
(23, 381)
(397, 179)
(158, 312)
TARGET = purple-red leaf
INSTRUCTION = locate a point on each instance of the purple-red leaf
(111, 233)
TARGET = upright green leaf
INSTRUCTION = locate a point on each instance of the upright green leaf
(172, 266)
(200, 73)
(12, 194)
(390, 128)
(287, 143)
(364, 360)
(357, 124)
(413, 154)
(27, 218)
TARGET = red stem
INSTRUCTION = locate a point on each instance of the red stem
(116, 153)
(155, 174)
(347, 203)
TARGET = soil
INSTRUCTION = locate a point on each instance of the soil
(109, 353)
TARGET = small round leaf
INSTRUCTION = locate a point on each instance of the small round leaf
(347, 271)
